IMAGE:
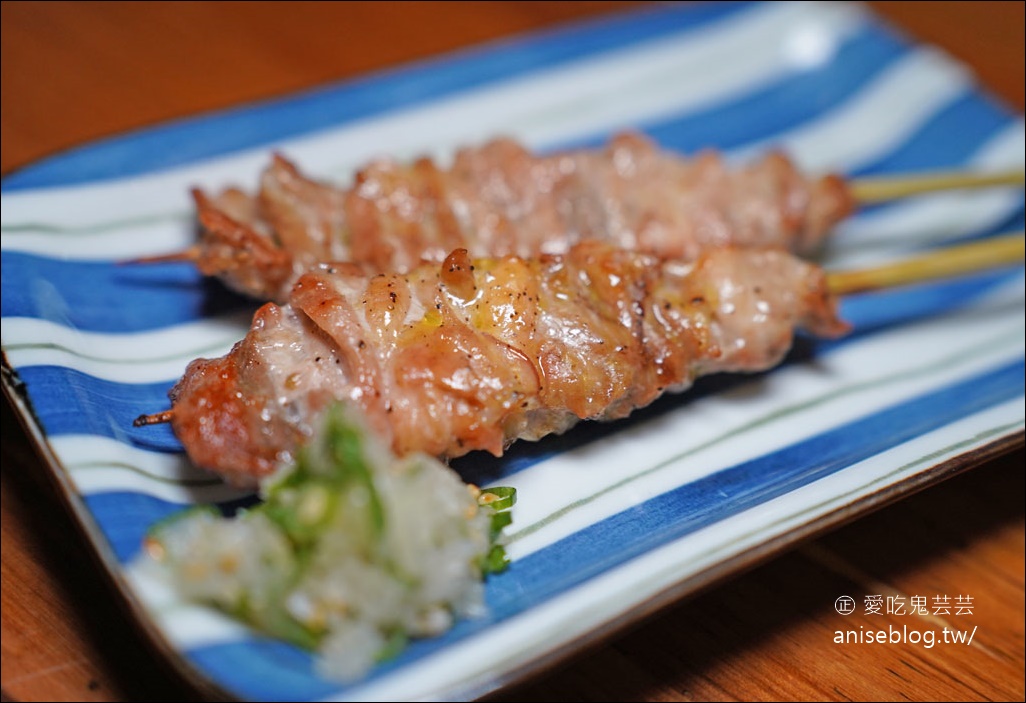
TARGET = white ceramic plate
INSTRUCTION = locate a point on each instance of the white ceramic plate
(613, 520)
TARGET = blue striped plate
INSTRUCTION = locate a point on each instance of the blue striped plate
(615, 519)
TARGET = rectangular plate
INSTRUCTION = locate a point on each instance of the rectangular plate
(613, 519)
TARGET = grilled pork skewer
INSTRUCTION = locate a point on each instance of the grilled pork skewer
(498, 200)
(476, 354)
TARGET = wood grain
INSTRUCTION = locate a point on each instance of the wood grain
(73, 72)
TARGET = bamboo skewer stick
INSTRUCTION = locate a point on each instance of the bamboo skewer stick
(1004, 250)
(868, 191)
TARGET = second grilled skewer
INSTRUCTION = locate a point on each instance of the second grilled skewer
(474, 354)
(499, 199)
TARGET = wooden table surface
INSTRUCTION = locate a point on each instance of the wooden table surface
(74, 72)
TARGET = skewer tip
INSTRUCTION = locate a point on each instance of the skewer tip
(154, 419)
(191, 254)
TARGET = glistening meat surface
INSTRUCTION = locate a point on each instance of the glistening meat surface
(474, 354)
